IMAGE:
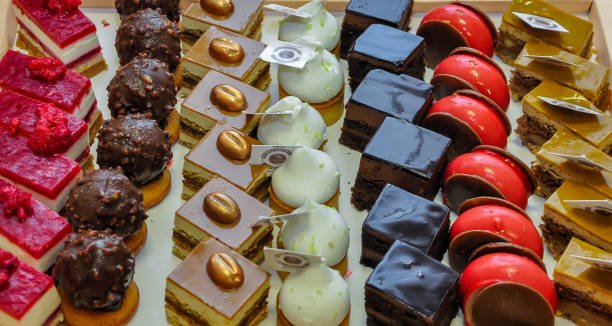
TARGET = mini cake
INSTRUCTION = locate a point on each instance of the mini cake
(170, 8)
(454, 25)
(584, 290)
(30, 230)
(107, 199)
(409, 287)
(219, 98)
(386, 48)
(222, 211)
(67, 90)
(323, 232)
(383, 94)
(415, 165)
(243, 17)
(228, 53)
(320, 83)
(322, 25)
(302, 125)
(145, 85)
(551, 170)
(506, 289)
(225, 152)
(487, 171)
(27, 117)
(541, 120)
(137, 145)
(471, 69)
(214, 285)
(27, 296)
(316, 173)
(151, 33)
(402, 216)
(561, 221)
(586, 77)
(94, 275)
(360, 14)
(316, 295)
(469, 119)
(515, 33)
(59, 29)
(26, 163)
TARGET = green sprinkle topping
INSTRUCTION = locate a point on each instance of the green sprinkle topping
(319, 292)
(309, 27)
(322, 21)
(321, 165)
(305, 128)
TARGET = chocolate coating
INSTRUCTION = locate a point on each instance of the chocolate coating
(137, 145)
(149, 32)
(106, 199)
(170, 8)
(143, 85)
(94, 270)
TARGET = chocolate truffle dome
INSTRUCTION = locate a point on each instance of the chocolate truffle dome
(106, 199)
(137, 145)
(94, 270)
(143, 85)
(170, 8)
(149, 32)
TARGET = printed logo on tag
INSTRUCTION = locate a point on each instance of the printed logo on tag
(570, 106)
(289, 261)
(271, 155)
(605, 264)
(583, 160)
(541, 22)
(602, 207)
(287, 54)
(289, 11)
(551, 59)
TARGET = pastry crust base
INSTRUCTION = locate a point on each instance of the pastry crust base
(173, 126)
(281, 208)
(341, 267)
(154, 192)
(136, 241)
(281, 320)
(331, 111)
(94, 125)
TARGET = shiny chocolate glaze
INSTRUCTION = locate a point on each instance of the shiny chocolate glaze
(387, 44)
(389, 11)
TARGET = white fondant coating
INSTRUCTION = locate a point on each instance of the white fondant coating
(322, 25)
(304, 127)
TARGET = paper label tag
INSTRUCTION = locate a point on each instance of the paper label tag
(552, 60)
(266, 220)
(289, 261)
(287, 54)
(288, 11)
(570, 106)
(271, 155)
(603, 207)
(279, 113)
(539, 22)
(605, 264)
(583, 160)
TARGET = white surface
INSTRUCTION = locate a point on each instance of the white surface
(156, 261)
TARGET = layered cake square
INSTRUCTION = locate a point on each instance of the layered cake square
(387, 48)
(541, 120)
(229, 53)
(222, 211)
(561, 221)
(61, 32)
(36, 234)
(404, 155)
(400, 215)
(219, 98)
(585, 291)
(410, 288)
(514, 33)
(360, 14)
(214, 285)
(382, 94)
(213, 157)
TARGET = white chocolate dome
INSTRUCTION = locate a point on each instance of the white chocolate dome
(322, 25)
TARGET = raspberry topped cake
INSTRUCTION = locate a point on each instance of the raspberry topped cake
(57, 28)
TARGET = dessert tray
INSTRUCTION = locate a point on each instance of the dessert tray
(156, 261)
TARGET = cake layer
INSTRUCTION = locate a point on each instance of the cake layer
(245, 18)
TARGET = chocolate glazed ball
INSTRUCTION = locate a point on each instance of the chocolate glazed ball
(106, 199)
(137, 145)
(94, 270)
(143, 85)
(170, 8)
(149, 32)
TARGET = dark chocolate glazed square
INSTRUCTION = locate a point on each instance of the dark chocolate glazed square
(400, 215)
(410, 288)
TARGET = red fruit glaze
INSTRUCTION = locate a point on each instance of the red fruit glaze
(8, 264)
(508, 223)
(483, 119)
(22, 289)
(63, 6)
(478, 72)
(470, 24)
(498, 267)
(15, 202)
(49, 69)
(51, 135)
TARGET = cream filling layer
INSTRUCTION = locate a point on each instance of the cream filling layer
(38, 314)
(78, 147)
(86, 103)
(55, 204)
(41, 264)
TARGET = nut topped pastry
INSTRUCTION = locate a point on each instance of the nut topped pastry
(170, 8)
